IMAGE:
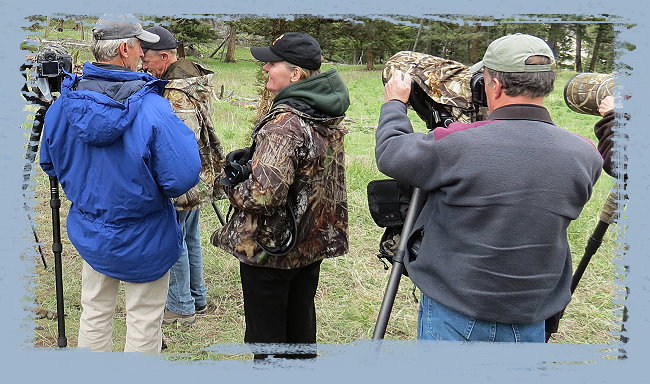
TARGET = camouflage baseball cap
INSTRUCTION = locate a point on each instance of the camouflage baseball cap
(509, 54)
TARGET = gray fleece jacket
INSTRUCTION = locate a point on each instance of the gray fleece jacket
(500, 196)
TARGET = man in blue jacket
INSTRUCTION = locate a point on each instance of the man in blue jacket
(120, 154)
(494, 261)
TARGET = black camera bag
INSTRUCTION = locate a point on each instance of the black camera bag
(388, 201)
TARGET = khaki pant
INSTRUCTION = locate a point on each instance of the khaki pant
(145, 305)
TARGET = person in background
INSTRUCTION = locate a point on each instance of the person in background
(604, 131)
(190, 93)
(120, 154)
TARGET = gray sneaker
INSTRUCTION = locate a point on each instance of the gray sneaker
(171, 317)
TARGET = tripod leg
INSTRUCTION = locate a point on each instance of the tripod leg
(216, 210)
(57, 248)
(607, 216)
(32, 149)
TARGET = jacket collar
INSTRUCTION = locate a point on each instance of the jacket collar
(184, 68)
(521, 112)
(110, 74)
(94, 72)
(113, 67)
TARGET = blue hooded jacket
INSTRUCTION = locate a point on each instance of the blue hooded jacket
(120, 154)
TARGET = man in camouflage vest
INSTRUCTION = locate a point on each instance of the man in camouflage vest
(190, 93)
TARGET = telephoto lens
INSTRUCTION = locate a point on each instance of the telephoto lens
(584, 92)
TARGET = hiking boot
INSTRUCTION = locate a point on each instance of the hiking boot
(200, 309)
(171, 317)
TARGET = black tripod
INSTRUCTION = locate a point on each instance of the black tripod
(55, 201)
(57, 248)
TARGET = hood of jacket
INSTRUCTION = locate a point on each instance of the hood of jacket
(324, 92)
(101, 104)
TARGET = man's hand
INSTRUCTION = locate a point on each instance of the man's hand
(398, 87)
(605, 134)
(606, 105)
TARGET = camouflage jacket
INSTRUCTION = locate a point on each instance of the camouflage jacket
(297, 159)
(191, 99)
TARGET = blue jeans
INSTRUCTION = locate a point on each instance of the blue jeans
(186, 285)
(438, 322)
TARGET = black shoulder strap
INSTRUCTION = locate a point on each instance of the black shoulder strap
(293, 238)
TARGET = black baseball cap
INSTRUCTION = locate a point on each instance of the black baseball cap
(297, 48)
(167, 39)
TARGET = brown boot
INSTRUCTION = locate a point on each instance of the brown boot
(171, 317)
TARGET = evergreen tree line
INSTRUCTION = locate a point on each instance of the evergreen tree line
(585, 44)
(581, 43)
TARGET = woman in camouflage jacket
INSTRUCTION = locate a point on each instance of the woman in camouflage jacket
(297, 169)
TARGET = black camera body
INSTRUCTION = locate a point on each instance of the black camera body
(45, 72)
(237, 168)
(51, 63)
(477, 85)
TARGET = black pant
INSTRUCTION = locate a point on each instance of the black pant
(279, 306)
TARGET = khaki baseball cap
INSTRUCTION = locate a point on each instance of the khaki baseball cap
(509, 54)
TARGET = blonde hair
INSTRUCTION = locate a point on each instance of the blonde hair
(304, 72)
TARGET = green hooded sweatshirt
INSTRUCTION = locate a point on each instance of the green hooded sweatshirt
(325, 92)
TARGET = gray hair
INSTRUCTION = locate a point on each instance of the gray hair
(173, 52)
(106, 50)
(532, 84)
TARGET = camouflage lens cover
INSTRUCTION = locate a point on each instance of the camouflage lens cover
(447, 82)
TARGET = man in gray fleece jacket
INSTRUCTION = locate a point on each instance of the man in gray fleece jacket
(494, 261)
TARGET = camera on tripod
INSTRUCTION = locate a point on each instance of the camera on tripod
(443, 91)
(45, 72)
(51, 63)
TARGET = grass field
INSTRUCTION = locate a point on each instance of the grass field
(351, 287)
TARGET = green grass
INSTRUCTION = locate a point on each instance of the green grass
(351, 287)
